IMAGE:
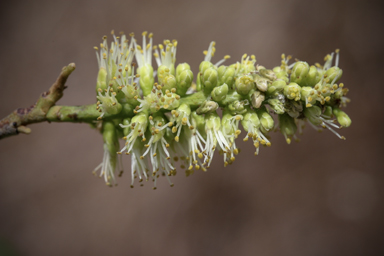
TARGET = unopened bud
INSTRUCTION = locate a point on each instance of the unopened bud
(209, 79)
(299, 73)
(204, 65)
(313, 77)
(327, 111)
(219, 93)
(101, 82)
(276, 87)
(342, 117)
(333, 74)
(184, 81)
(226, 76)
(146, 79)
(181, 67)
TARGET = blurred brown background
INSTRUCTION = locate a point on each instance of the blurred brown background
(322, 196)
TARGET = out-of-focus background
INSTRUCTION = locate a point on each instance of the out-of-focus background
(322, 196)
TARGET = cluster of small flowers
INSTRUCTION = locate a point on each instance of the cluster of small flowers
(175, 119)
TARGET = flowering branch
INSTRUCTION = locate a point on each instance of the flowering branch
(163, 116)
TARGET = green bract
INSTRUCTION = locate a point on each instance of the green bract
(168, 121)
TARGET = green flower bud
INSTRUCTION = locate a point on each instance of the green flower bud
(227, 76)
(268, 74)
(250, 118)
(299, 73)
(292, 91)
(257, 98)
(276, 87)
(313, 77)
(281, 74)
(333, 74)
(342, 117)
(209, 79)
(313, 115)
(266, 120)
(287, 126)
(169, 83)
(308, 96)
(204, 65)
(244, 84)
(261, 83)
(181, 67)
(237, 107)
(219, 93)
(277, 106)
(327, 111)
(146, 79)
(184, 81)
(101, 82)
(221, 70)
(207, 107)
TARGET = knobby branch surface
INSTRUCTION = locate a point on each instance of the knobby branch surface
(16, 122)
